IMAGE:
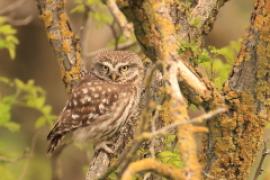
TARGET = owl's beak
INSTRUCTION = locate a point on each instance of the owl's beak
(114, 76)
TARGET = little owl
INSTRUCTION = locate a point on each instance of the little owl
(105, 98)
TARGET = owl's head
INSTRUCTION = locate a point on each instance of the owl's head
(117, 66)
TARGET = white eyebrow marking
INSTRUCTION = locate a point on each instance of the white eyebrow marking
(107, 64)
(121, 64)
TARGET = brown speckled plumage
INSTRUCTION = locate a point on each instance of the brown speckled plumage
(99, 105)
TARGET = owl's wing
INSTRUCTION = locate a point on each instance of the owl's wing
(89, 103)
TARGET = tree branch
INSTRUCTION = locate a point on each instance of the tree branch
(158, 34)
(198, 119)
(121, 20)
(205, 12)
(67, 50)
(152, 165)
(11, 7)
(63, 40)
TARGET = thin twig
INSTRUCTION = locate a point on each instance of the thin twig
(127, 45)
(128, 158)
(83, 29)
(12, 7)
(31, 154)
(4, 159)
(198, 119)
(115, 34)
(123, 46)
(121, 20)
(259, 169)
(152, 165)
(129, 150)
(20, 22)
(206, 11)
(84, 18)
(56, 169)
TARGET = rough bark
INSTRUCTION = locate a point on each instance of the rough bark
(63, 40)
(236, 137)
(160, 26)
(157, 28)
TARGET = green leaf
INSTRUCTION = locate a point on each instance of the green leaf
(195, 21)
(113, 176)
(27, 95)
(41, 121)
(6, 173)
(19, 84)
(6, 103)
(92, 2)
(102, 18)
(171, 158)
(12, 126)
(78, 9)
(5, 80)
(8, 38)
(2, 20)
(7, 30)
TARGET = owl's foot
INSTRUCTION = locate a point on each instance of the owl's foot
(105, 146)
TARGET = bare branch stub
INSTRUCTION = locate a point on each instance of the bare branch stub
(63, 39)
(121, 20)
(205, 12)
(11, 7)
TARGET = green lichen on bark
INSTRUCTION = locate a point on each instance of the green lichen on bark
(63, 40)
(236, 137)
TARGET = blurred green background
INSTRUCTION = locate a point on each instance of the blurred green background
(31, 90)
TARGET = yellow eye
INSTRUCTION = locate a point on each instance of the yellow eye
(123, 69)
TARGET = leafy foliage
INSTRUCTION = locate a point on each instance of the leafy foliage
(216, 62)
(197, 54)
(27, 95)
(16, 93)
(21, 94)
(96, 9)
(8, 39)
(221, 62)
(170, 155)
(172, 158)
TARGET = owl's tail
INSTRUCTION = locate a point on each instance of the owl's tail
(54, 140)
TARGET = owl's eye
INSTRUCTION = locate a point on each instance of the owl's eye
(105, 68)
(123, 69)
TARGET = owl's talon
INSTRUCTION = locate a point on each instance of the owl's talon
(105, 147)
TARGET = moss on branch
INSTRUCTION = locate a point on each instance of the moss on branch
(236, 138)
(152, 165)
(63, 40)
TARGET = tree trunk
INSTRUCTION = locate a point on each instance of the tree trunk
(235, 138)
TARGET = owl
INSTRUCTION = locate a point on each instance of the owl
(102, 102)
